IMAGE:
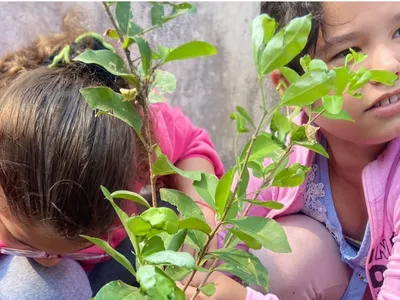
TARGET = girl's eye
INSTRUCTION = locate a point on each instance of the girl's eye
(344, 53)
(397, 33)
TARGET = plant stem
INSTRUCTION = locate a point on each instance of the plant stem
(319, 114)
(149, 29)
(120, 36)
(212, 267)
(228, 206)
(264, 105)
(150, 149)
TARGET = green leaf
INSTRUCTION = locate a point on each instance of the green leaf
(162, 166)
(240, 122)
(177, 241)
(134, 29)
(245, 114)
(121, 214)
(119, 290)
(242, 191)
(262, 30)
(138, 226)
(349, 58)
(224, 192)
(342, 115)
(110, 61)
(359, 57)
(263, 146)
(268, 232)
(208, 289)
(112, 252)
(146, 276)
(309, 88)
(341, 79)
(290, 75)
(257, 168)
(131, 196)
(156, 283)
(106, 100)
(286, 44)
(123, 15)
(196, 239)
(242, 264)
(179, 294)
(168, 257)
(157, 14)
(317, 64)
(188, 209)
(153, 245)
(314, 146)
(332, 104)
(184, 204)
(190, 50)
(112, 33)
(206, 188)
(164, 51)
(290, 177)
(267, 204)
(355, 95)
(145, 54)
(281, 124)
(384, 77)
(176, 273)
(179, 9)
(196, 224)
(161, 218)
(305, 62)
(164, 82)
(362, 77)
(249, 241)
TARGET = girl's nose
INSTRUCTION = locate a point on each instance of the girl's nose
(385, 58)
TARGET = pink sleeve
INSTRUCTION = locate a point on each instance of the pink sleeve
(179, 139)
(253, 295)
(391, 277)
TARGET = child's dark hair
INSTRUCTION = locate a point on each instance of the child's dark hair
(284, 12)
(55, 153)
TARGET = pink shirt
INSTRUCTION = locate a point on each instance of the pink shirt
(381, 181)
(179, 139)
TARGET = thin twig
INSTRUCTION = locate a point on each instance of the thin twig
(229, 240)
(120, 36)
(229, 204)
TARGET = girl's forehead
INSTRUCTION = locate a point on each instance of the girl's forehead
(347, 22)
(351, 13)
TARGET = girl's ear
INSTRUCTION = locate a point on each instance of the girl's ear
(276, 78)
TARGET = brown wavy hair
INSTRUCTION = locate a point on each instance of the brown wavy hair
(54, 152)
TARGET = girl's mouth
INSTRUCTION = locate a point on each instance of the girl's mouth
(387, 101)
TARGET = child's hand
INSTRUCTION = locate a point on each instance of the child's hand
(226, 288)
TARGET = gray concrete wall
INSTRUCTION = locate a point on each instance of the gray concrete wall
(207, 89)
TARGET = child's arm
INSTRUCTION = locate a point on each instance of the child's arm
(189, 148)
(226, 288)
(186, 185)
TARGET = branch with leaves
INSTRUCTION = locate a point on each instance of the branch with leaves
(158, 233)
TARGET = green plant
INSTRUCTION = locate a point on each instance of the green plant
(158, 233)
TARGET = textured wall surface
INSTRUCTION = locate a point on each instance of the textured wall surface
(207, 89)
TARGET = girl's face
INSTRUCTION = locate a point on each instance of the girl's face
(25, 236)
(374, 29)
(21, 236)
